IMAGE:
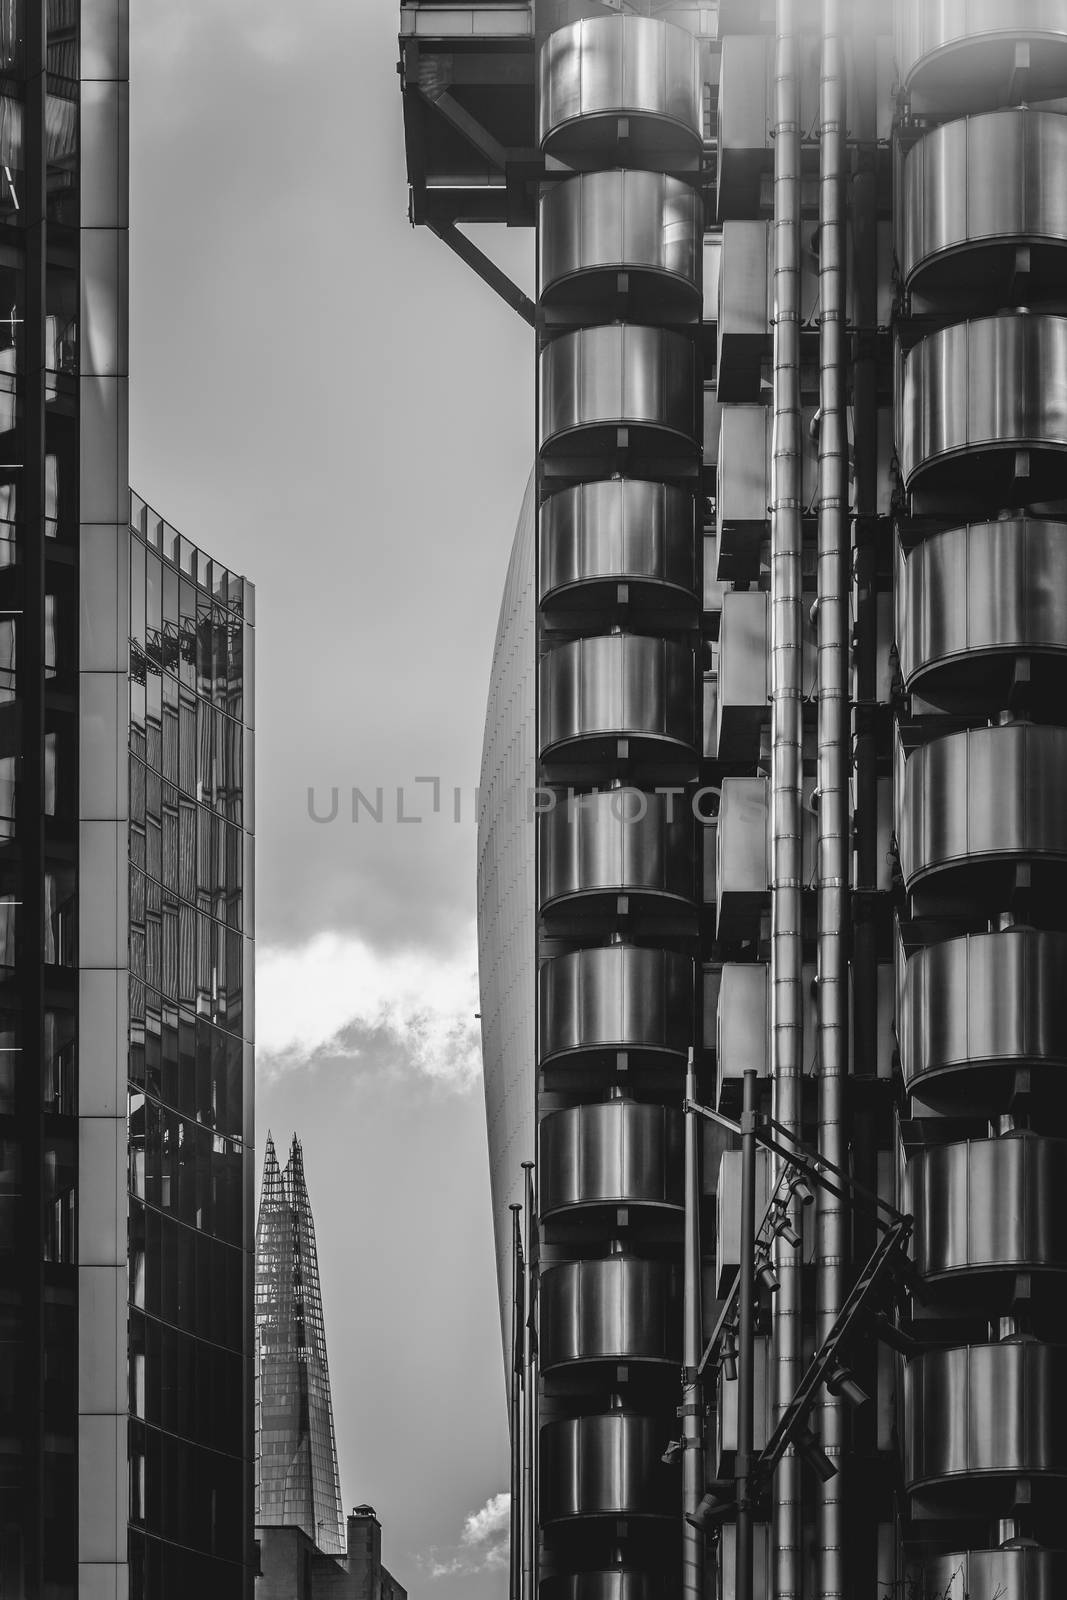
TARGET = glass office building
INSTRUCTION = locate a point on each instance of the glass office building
(299, 1486)
(191, 1070)
(125, 904)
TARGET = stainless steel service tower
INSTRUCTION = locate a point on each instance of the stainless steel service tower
(797, 771)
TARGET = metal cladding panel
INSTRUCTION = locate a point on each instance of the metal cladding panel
(622, 684)
(987, 999)
(988, 1204)
(990, 1408)
(614, 1583)
(601, 68)
(606, 1465)
(1023, 1573)
(994, 383)
(741, 1022)
(618, 376)
(506, 899)
(981, 181)
(984, 794)
(617, 529)
(960, 54)
(982, 589)
(595, 843)
(618, 997)
(620, 1152)
(617, 1309)
(647, 224)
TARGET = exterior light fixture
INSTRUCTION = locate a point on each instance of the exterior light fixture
(766, 1276)
(728, 1355)
(840, 1381)
(808, 1446)
(720, 1498)
(783, 1227)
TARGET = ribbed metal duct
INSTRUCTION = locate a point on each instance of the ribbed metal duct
(960, 54)
(981, 797)
(986, 589)
(618, 530)
(595, 691)
(977, 394)
(977, 188)
(646, 225)
(988, 1001)
(1021, 1574)
(986, 1409)
(617, 1309)
(988, 1205)
(595, 381)
(621, 1152)
(603, 68)
(596, 1002)
(599, 845)
(606, 1465)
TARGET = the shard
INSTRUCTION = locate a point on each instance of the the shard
(299, 1486)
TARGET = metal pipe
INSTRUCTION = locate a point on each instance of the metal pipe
(833, 743)
(746, 1331)
(518, 1323)
(529, 1404)
(692, 1335)
(786, 751)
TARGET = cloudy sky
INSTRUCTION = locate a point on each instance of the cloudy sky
(333, 404)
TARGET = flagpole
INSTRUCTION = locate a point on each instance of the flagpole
(518, 1331)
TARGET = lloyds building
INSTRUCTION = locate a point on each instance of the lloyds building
(787, 683)
(125, 904)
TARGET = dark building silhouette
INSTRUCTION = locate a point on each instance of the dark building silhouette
(306, 1550)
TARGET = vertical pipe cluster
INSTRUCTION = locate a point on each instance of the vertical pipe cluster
(619, 300)
(786, 749)
(833, 750)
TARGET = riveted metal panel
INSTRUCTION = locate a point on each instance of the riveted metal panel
(596, 535)
(620, 1152)
(617, 685)
(960, 54)
(990, 999)
(985, 1409)
(595, 380)
(997, 383)
(987, 1204)
(606, 1465)
(981, 590)
(603, 68)
(620, 1308)
(1028, 1574)
(647, 225)
(983, 795)
(616, 997)
(614, 1583)
(978, 187)
(599, 844)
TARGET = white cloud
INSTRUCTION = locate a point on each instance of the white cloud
(489, 1522)
(320, 997)
(484, 1542)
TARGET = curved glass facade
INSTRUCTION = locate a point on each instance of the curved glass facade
(506, 890)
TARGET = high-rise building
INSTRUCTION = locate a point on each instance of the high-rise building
(125, 904)
(506, 943)
(307, 1551)
(800, 643)
(189, 862)
(298, 1485)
